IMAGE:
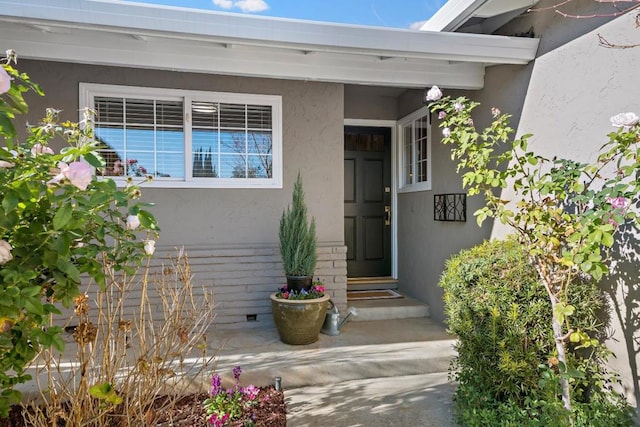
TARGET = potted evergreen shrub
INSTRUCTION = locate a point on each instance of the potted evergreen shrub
(298, 242)
(299, 308)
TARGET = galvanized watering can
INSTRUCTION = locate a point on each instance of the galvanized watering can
(332, 323)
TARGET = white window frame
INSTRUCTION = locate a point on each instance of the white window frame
(88, 91)
(409, 120)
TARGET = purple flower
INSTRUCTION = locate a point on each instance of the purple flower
(216, 384)
(236, 373)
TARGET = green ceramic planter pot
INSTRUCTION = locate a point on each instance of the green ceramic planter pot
(299, 321)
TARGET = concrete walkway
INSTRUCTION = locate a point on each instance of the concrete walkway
(375, 373)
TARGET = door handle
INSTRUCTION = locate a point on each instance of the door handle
(387, 215)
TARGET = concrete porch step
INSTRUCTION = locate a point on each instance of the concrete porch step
(387, 309)
(363, 350)
(371, 283)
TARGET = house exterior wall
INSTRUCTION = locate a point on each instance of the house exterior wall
(425, 244)
(232, 234)
(573, 91)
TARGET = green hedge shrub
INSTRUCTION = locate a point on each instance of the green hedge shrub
(505, 366)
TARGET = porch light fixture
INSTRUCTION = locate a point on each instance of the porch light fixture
(450, 207)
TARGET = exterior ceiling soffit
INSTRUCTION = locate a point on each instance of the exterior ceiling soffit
(182, 55)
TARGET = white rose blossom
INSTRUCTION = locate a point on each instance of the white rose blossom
(446, 132)
(5, 164)
(625, 120)
(433, 94)
(5, 252)
(149, 247)
(133, 222)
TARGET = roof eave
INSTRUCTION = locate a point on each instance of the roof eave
(45, 27)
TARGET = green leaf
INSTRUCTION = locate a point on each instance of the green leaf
(69, 269)
(93, 160)
(147, 220)
(607, 239)
(33, 305)
(31, 291)
(58, 343)
(10, 201)
(6, 127)
(63, 216)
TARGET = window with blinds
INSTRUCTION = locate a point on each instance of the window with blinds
(415, 168)
(187, 138)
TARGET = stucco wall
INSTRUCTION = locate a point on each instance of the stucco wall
(424, 245)
(312, 142)
(239, 227)
(573, 92)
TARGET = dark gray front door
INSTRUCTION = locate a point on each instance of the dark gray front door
(367, 201)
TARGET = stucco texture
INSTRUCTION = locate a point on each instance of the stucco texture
(573, 92)
(312, 143)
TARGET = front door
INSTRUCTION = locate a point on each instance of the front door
(367, 201)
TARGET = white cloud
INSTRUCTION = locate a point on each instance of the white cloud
(243, 5)
(417, 25)
(252, 5)
(225, 4)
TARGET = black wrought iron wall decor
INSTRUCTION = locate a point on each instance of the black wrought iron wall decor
(450, 207)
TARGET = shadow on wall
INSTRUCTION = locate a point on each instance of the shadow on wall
(624, 290)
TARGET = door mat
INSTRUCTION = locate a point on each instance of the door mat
(377, 294)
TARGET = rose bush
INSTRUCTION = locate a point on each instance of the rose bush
(59, 226)
(566, 214)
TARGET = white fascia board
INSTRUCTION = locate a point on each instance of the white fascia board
(83, 46)
(452, 15)
(146, 20)
(455, 13)
(498, 7)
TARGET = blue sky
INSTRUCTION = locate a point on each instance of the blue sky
(386, 13)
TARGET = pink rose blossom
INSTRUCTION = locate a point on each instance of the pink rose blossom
(458, 107)
(5, 81)
(40, 149)
(617, 202)
(442, 115)
(5, 164)
(5, 252)
(79, 174)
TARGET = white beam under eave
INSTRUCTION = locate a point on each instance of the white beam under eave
(171, 54)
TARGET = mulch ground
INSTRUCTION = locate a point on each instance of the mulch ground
(188, 411)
